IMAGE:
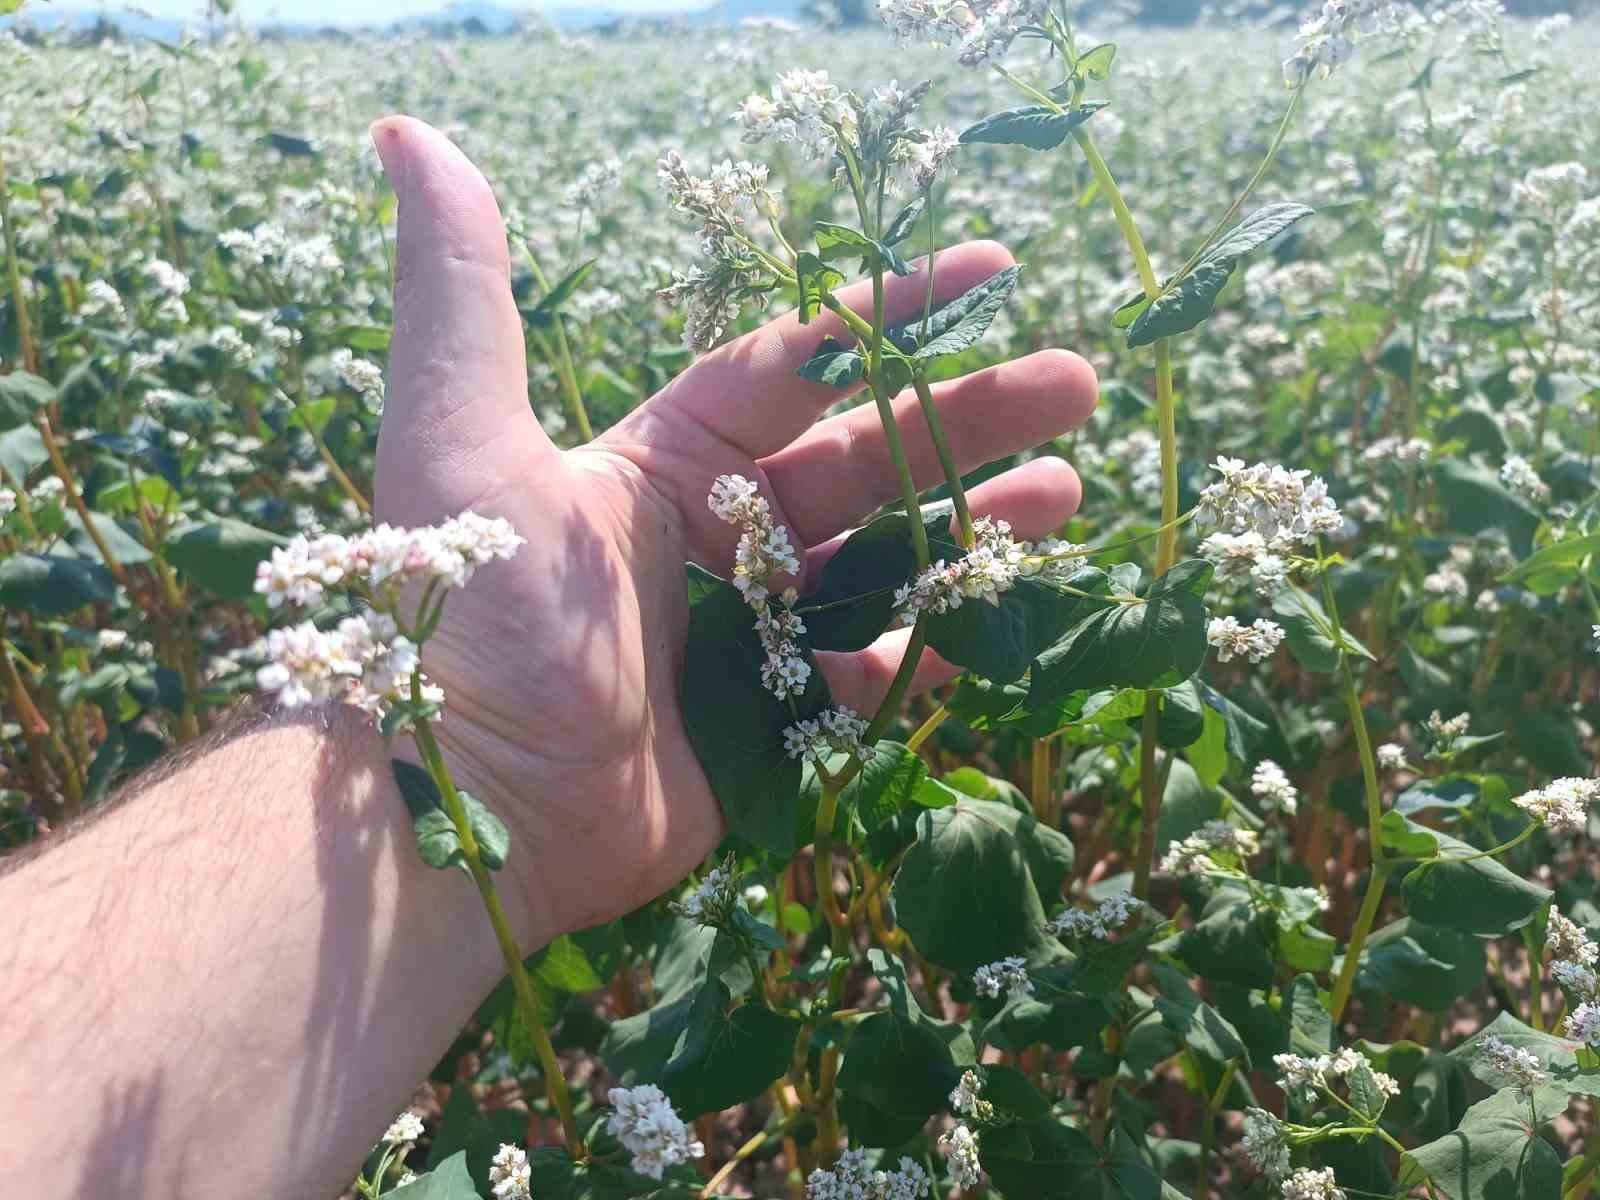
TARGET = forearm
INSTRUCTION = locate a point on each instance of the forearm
(240, 973)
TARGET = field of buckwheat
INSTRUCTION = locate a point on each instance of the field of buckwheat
(1248, 854)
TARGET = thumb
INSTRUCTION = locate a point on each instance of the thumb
(456, 421)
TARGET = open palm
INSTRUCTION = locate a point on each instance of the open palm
(561, 666)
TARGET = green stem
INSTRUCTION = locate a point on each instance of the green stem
(1149, 795)
(900, 684)
(522, 985)
(947, 462)
(1358, 938)
(562, 358)
(19, 302)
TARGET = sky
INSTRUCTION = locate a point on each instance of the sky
(356, 12)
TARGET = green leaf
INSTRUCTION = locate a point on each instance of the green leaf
(220, 554)
(290, 146)
(904, 223)
(1230, 943)
(814, 279)
(125, 548)
(1545, 572)
(1157, 643)
(899, 1067)
(1473, 895)
(833, 364)
(1095, 62)
(1310, 633)
(450, 1180)
(438, 843)
(1187, 302)
(21, 395)
(958, 324)
(734, 723)
(464, 1130)
(1405, 838)
(1557, 1055)
(562, 966)
(1475, 501)
(1066, 1165)
(21, 450)
(52, 585)
(965, 893)
(1202, 1028)
(1000, 641)
(1013, 1093)
(1034, 126)
(543, 314)
(1497, 1152)
(723, 1058)
(886, 784)
(1310, 1025)
(840, 241)
(1130, 310)
(854, 599)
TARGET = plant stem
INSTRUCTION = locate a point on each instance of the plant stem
(75, 498)
(19, 302)
(555, 1082)
(822, 855)
(346, 484)
(901, 682)
(743, 1152)
(941, 445)
(562, 358)
(1358, 937)
(926, 729)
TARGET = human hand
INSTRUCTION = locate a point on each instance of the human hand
(561, 666)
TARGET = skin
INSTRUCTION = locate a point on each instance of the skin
(231, 981)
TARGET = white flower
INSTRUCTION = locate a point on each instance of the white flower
(1522, 1069)
(1232, 640)
(1447, 583)
(1009, 975)
(1308, 1075)
(363, 662)
(1266, 1143)
(1272, 787)
(850, 1180)
(649, 1130)
(984, 29)
(764, 548)
(1282, 506)
(509, 1174)
(1391, 756)
(1245, 556)
(1518, 475)
(1565, 938)
(359, 376)
(962, 1146)
(712, 900)
(965, 1098)
(832, 731)
(1576, 978)
(931, 155)
(407, 1127)
(1327, 40)
(804, 108)
(1197, 853)
(1309, 1183)
(989, 569)
(1583, 1024)
(1562, 805)
(1101, 921)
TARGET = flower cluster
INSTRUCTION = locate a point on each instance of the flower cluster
(364, 662)
(713, 898)
(849, 1179)
(1285, 508)
(930, 154)
(1101, 921)
(1214, 844)
(1009, 975)
(804, 108)
(962, 1146)
(404, 1129)
(966, 1098)
(1271, 786)
(1266, 1144)
(1391, 756)
(1562, 805)
(1309, 1075)
(384, 558)
(833, 731)
(650, 1131)
(510, 1176)
(1521, 1068)
(990, 568)
(984, 29)
(1313, 1183)
(1518, 475)
(1327, 40)
(763, 551)
(1231, 639)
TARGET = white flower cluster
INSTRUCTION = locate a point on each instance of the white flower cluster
(363, 661)
(1562, 805)
(764, 550)
(1311, 1183)
(1391, 756)
(1271, 786)
(1573, 960)
(984, 29)
(1266, 1144)
(384, 557)
(833, 731)
(850, 1180)
(510, 1176)
(1306, 1075)
(1231, 639)
(360, 376)
(404, 1129)
(1101, 921)
(712, 899)
(1243, 557)
(719, 200)
(966, 1098)
(1327, 39)
(1517, 473)
(925, 158)
(1284, 507)
(1442, 730)
(8, 502)
(962, 1146)
(1197, 853)
(649, 1130)
(991, 567)
(1009, 975)
(1522, 1068)
(804, 108)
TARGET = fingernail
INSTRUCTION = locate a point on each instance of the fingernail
(390, 143)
